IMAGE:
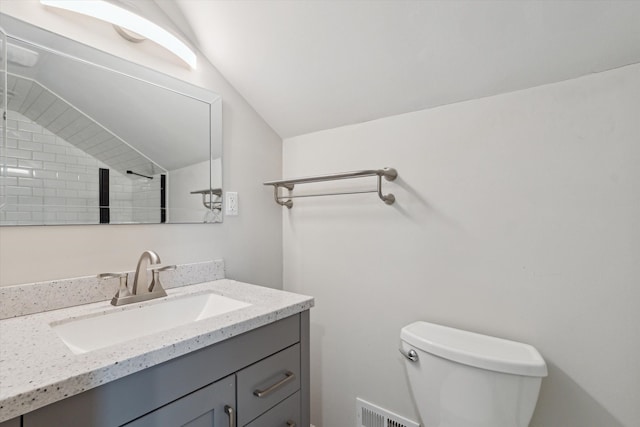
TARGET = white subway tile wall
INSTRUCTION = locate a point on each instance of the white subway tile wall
(47, 180)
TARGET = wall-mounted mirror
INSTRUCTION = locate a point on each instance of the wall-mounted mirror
(89, 138)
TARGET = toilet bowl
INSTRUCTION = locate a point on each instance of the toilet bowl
(464, 379)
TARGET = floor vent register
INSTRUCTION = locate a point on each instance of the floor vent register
(370, 415)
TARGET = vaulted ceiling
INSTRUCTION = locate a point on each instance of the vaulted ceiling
(312, 65)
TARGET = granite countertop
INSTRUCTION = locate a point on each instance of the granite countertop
(37, 368)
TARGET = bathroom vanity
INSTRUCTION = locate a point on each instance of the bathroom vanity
(247, 367)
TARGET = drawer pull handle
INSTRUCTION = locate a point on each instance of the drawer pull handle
(289, 376)
(232, 416)
(291, 424)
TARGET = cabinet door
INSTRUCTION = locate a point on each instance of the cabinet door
(211, 406)
(15, 422)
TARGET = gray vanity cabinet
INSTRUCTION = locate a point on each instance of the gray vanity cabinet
(256, 379)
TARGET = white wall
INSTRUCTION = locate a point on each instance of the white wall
(516, 216)
(250, 243)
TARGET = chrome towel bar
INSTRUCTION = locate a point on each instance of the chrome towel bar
(388, 173)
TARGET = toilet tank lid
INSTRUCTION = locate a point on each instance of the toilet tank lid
(481, 351)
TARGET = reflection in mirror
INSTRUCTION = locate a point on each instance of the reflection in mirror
(90, 138)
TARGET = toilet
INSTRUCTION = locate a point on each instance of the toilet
(465, 379)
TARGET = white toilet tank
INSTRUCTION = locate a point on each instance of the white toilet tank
(464, 379)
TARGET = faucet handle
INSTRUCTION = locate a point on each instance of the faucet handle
(155, 285)
(109, 275)
(123, 291)
(165, 268)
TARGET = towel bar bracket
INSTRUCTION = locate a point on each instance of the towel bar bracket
(387, 198)
(213, 201)
(287, 203)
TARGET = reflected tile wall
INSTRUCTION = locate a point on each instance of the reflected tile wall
(49, 181)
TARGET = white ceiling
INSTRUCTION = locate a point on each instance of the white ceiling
(311, 65)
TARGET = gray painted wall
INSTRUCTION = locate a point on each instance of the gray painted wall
(516, 216)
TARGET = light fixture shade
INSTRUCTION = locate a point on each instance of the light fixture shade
(124, 18)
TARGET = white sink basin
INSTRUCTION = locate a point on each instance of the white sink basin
(105, 329)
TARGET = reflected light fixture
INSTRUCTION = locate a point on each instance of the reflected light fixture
(19, 55)
(120, 17)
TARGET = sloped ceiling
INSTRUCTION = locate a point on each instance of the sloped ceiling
(312, 65)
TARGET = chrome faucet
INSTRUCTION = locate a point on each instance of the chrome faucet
(141, 290)
(140, 282)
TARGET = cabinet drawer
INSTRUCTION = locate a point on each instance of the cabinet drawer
(284, 414)
(267, 383)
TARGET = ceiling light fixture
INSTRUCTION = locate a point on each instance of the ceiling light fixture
(120, 17)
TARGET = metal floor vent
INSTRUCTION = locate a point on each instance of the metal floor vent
(370, 415)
